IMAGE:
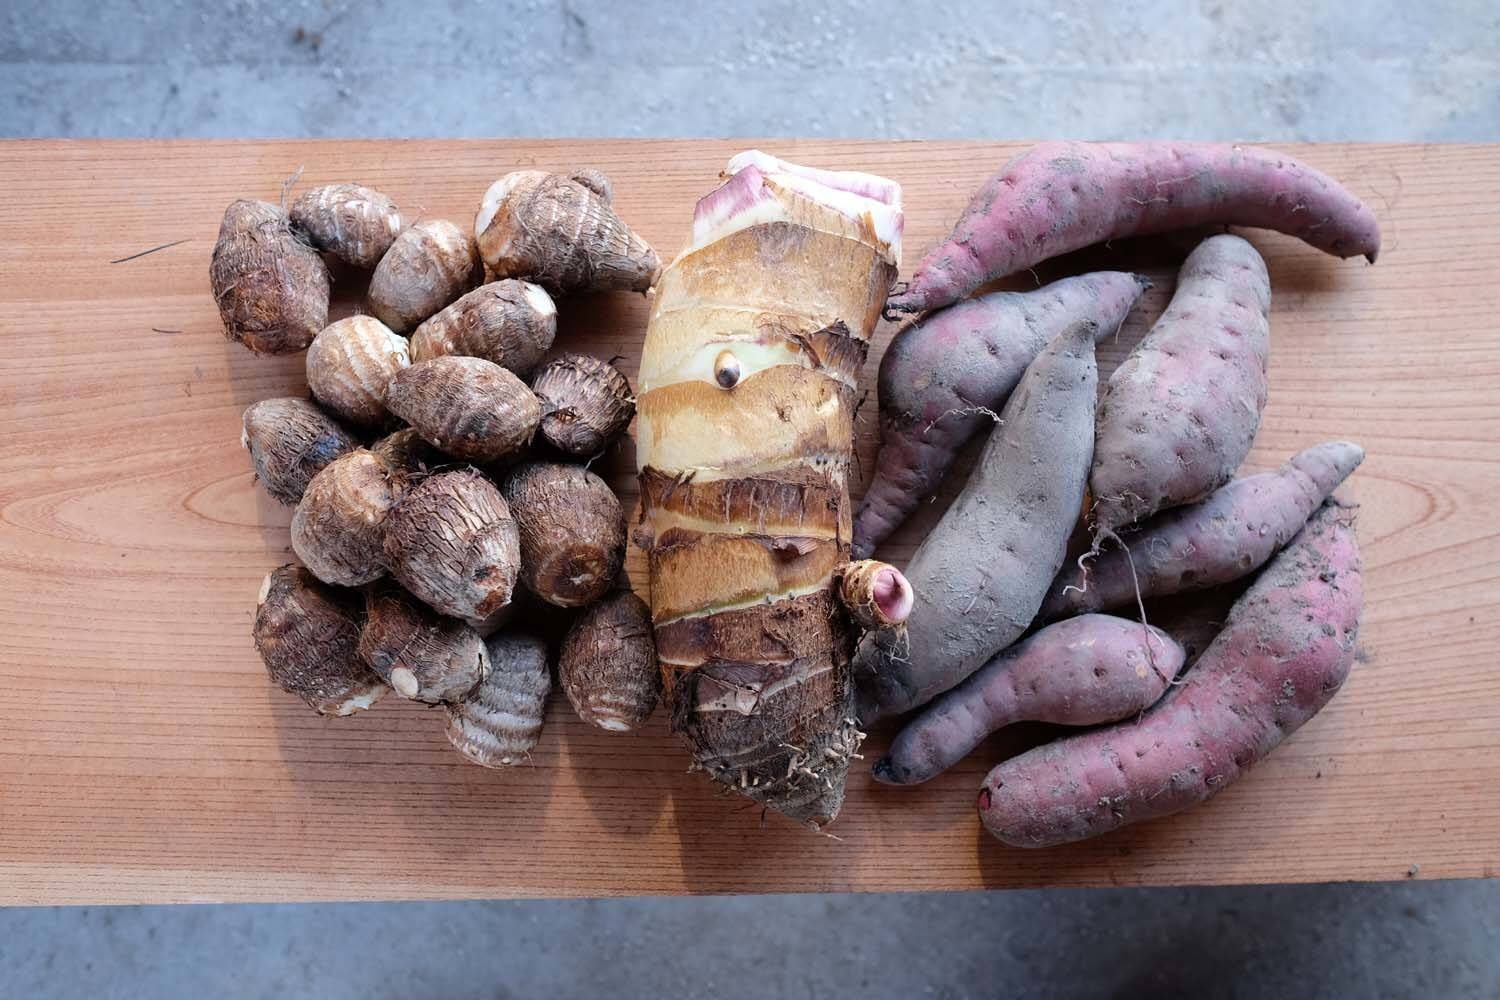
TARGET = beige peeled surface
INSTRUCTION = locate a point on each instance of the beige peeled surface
(744, 438)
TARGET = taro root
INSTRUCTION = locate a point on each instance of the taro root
(356, 224)
(511, 323)
(308, 636)
(562, 234)
(427, 267)
(585, 403)
(338, 527)
(607, 664)
(351, 363)
(290, 440)
(572, 531)
(408, 456)
(271, 288)
(469, 407)
(499, 722)
(450, 540)
(876, 594)
(418, 652)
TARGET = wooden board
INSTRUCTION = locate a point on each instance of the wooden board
(145, 757)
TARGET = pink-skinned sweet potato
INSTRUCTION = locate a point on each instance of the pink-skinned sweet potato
(1224, 537)
(1062, 196)
(980, 575)
(1081, 672)
(1181, 412)
(942, 380)
(1284, 652)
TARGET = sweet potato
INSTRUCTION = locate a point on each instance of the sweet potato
(1284, 652)
(1080, 672)
(942, 379)
(981, 574)
(1231, 533)
(1062, 196)
(1181, 412)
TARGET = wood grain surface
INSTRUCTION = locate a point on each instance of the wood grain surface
(144, 756)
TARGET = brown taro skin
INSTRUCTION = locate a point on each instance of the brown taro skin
(451, 542)
(418, 652)
(308, 636)
(355, 223)
(338, 526)
(272, 288)
(409, 456)
(1228, 535)
(572, 531)
(290, 440)
(1081, 672)
(1062, 196)
(586, 403)
(511, 323)
(980, 575)
(499, 722)
(428, 266)
(1181, 412)
(468, 407)
(944, 379)
(607, 664)
(350, 365)
(1282, 655)
(561, 233)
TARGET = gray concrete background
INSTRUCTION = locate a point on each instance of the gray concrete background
(1270, 71)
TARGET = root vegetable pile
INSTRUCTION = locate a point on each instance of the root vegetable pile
(1176, 539)
(440, 483)
(412, 556)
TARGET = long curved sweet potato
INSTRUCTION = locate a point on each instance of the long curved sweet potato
(1062, 196)
(980, 576)
(940, 376)
(1081, 672)
(1222, 538)
(1181, 412)
(1284, 652)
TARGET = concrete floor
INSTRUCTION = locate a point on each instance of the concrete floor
(1276, 70)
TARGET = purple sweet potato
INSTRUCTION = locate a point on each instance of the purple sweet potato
(1062, 196)
(1284, 652)
(939, 377)
(1081, 672)
(1231, 533)
(1181, 412)
(980, 575)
